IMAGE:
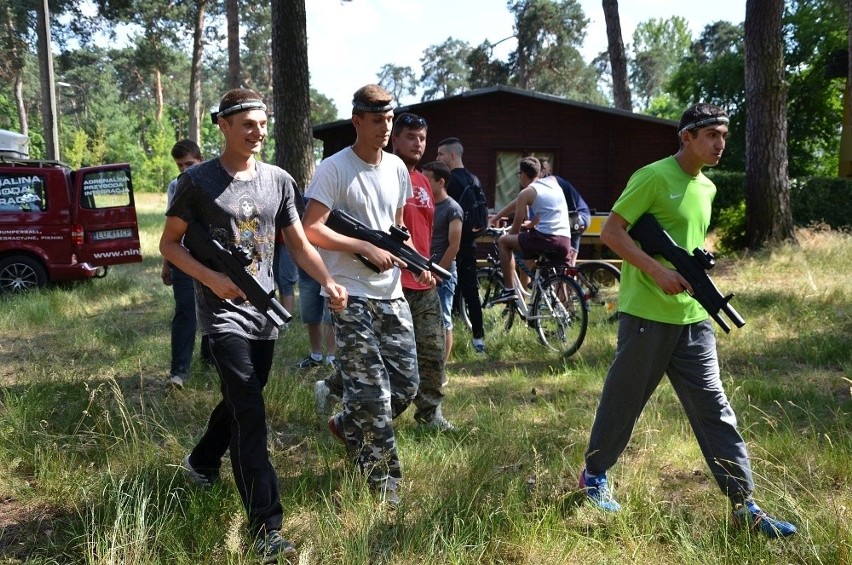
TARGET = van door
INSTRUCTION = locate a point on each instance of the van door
(106, 215)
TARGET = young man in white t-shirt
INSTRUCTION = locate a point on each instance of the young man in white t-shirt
(375, 334)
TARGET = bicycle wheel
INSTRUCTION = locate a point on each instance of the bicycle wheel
(600, 282)
(559, 314)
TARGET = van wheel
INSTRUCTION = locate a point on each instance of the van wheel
(20, 274)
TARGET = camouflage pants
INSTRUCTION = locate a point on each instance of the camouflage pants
(429, 337)
(378, 363)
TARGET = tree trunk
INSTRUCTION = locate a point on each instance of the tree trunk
(158, 93)
(844, 169)
(232, 13)
(291, 92)
(617, 58)
(195, 116)
(48, 92)
(768, 216)
(19, 103)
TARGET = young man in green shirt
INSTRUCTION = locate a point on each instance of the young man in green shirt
(663, 330)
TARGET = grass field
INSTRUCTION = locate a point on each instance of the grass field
(91, 439)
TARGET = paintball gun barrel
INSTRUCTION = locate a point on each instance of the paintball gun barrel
(233, 262)
(393, 242)
(656, 241)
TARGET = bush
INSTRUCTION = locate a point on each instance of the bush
(814, 200)
(731, 228)
(822, 200)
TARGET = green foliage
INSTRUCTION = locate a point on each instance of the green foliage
(731, 228)
(814, 31)
(485, 71)
(730, 187)
(75, 147)
(323, 109)
(157, 168)
(547, 59)
(715, 73)
(398, 80)
(444, 70)
(822, 200)
(814, 200)
(658, 46)
(8, 114)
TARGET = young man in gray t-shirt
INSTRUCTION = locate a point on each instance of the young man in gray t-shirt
(241, 201)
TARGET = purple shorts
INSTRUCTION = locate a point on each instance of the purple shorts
(533, 243)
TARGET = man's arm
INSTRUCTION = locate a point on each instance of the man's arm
(307, 258)
(454, 239)
(614, 235)
(504, 212)
(175, 253)
(316, 215)
(524, 199)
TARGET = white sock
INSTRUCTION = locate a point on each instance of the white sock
(316, 356)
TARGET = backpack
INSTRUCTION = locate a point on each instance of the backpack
(475, 207)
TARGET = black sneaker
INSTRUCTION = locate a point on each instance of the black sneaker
(273, 546)
(506, 297)
(308, 363)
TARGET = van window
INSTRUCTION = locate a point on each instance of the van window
(106, 189)
(22, 193)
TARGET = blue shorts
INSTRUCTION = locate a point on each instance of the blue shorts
(446, 290)
(312, 304)
(284, 269)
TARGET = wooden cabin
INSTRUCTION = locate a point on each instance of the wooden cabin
(594, 147)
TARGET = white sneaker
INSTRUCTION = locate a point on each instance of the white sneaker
(175, 381)
(322, 399)
(438, 422)
(196, 477)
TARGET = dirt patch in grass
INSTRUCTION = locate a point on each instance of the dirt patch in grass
(22, 527)
(19, 353)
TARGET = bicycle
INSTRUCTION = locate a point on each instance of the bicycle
(600, 283)
(598, 280)
(553, 306)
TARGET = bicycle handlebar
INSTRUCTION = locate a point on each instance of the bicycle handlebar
(492, 232)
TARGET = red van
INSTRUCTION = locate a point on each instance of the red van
(57, 224)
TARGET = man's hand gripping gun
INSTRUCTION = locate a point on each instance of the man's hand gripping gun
(232, 262)
(656, 241)
(392, 242)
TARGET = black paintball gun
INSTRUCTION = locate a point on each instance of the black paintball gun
(233, 262)
(393, 242)
(656, 241)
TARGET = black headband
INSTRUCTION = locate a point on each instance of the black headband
(711, 121)
(379, 107)
(243, 106)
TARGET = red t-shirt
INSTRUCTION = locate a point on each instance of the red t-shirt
(418, 214)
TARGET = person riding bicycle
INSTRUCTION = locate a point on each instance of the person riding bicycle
(548, 232)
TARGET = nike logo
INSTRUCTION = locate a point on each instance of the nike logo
(673, 196)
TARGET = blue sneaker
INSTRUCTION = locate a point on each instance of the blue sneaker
(750, 515)
(597, 490)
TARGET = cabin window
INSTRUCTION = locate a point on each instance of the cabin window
(506, 183)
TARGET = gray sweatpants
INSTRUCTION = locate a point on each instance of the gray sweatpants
(687, 354)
